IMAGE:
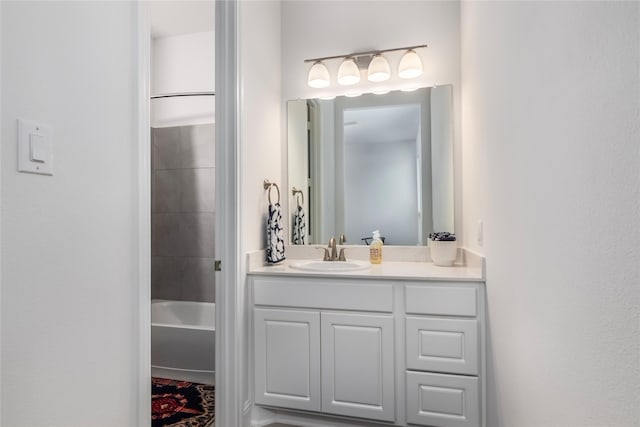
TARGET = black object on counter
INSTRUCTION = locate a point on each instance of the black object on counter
(443, 236)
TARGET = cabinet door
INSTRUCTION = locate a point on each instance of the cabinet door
(442, 400)
(287, 358)
(442, 345)
(358, 365)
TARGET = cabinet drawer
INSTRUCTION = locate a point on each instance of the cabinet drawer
(442, 400)
(441, 300)
(324, 294)
(442, 345)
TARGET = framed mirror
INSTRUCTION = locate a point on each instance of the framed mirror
(372, 162)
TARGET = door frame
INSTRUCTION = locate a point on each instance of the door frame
(227, 247)
(229, 334)
(143, 56)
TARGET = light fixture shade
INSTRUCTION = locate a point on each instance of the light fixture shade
(348, 73)
(410, 65)
(379, 69)
(318, 76)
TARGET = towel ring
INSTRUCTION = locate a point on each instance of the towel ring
(295, 192)
(268, 185)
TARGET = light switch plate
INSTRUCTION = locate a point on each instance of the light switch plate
(35, 147)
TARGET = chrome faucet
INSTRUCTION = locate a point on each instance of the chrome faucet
(333, 256)
(334, 250)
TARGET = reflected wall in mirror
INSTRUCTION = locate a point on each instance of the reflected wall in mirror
(372, 162)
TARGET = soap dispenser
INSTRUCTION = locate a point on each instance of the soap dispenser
(375, 250)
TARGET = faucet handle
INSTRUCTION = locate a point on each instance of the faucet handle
(342, 257)
(326, 254)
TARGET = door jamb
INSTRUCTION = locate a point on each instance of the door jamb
(228, 325)
(228, 339)
(143, 55)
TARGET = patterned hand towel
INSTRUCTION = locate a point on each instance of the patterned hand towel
(275, 235)
(299, 227)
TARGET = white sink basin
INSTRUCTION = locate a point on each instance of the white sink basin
(329, 266)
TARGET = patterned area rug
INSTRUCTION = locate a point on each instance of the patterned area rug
(181, 404)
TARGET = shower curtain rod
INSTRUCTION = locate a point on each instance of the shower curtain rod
(173, 95)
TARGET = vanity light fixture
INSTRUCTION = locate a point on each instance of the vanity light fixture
(348, 73)
(377, 66)
(410, 65)
(318, 76)
(379, 69)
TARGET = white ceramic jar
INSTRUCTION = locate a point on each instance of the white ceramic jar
(443, 253)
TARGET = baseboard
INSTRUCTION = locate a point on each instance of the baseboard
(263, 417)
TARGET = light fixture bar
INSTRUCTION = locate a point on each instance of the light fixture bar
(369, 53)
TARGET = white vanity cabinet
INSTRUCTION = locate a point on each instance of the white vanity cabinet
(301, 335)
(443, 354)
(401, 352)
(354, 354)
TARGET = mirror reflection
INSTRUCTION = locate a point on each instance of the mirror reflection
(373, 162)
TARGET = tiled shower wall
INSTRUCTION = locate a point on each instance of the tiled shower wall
(182, 213)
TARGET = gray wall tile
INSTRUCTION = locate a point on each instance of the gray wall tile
(183, 279)
(166, 237)
(165, 278)
(183, 234)
(198, 280)
(166, 148)
(198, 146)
(198, 233)
(166, 191)
(182, 220)
(198, 190)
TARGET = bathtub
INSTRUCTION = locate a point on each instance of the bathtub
(183, 340)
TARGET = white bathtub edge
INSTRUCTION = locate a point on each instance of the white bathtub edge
(193, 376)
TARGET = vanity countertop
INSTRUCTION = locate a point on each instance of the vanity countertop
(390, 270)
(402, 263)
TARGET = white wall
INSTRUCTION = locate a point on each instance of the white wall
(183, 63)
(261, 112)
(69, 288)
(1, 210)
(312, 29)
(297, 162)
(551, 100)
